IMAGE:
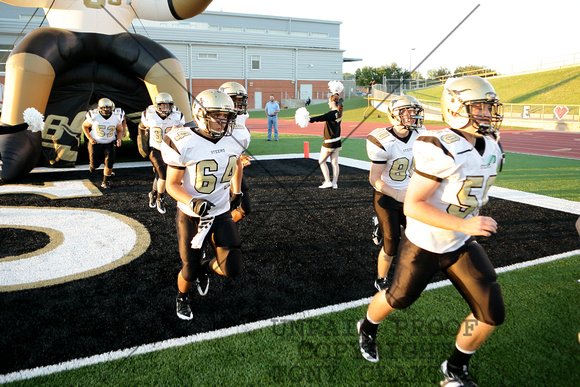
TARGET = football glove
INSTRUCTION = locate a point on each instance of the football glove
(236, 200)
(200, 206)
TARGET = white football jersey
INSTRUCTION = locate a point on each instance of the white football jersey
(465, 176)
(240, 132)
(159, 126)
(209, 167)
(395, 153)
(104, 131)
(242, 118)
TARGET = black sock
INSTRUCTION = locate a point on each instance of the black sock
(458, 359)
(369, 328)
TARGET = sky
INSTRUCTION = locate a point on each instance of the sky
(508, 36)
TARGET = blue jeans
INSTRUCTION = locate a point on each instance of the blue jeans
(273, 122)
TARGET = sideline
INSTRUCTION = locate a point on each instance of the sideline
(503, 193)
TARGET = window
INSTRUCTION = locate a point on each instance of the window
(232, 29)
(255, 62)
(278, 32)
(319, 35)
(4, 52)
(299, 33)
(256, 30)
(207, 56)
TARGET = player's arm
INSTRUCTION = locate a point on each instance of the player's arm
(87, 131)
(120, 134)
(375, 178)
(173, 184)
(124, 126)
(420, 189)
(237, 179)
(177, 192)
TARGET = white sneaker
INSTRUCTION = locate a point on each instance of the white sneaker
(334, 186)
(326, 184)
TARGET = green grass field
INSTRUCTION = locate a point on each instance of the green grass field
(554, 87)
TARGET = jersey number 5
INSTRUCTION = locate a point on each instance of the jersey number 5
(469, 202)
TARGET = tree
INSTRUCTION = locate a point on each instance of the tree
(370, 75)
(473, 70)
(366, 76)
(441, 72)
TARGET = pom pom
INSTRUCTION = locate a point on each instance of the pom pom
(302, 117)
(336, 87)
(34, 119)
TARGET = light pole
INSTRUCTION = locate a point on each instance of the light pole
(410, 56)
(410, 67)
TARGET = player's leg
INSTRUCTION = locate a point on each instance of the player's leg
(227, 243)
(474, 277)
(191, 265)
(391, 219)
(110, 155)
(159, 184)
(416, 267)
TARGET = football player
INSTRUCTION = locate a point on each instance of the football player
(390, 152)
(201, 166)
(454, 169)
(156, 121)
(103, 128)
(239, 95)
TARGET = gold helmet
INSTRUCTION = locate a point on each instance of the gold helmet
(464, 103)
(238, 94)
(210, 103)
(398, 107)
(106, 107)
(164, 104)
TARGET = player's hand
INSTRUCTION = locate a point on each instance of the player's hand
(480, 226)
(236, 200)
(200, 206)
(245, 160)
(119, 143)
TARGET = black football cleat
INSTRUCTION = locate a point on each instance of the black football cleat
(367, 344)
(202, 284)
(381, 284)
(183, 307)
(377, 234)
(455, 376)
(161, 204)
(152, 199)
(106, 185)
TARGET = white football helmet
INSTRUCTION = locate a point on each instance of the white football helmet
(163, 104)
(464, 103)
(238, 94)
(106, 107)
(398, 107)
(209, 103)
